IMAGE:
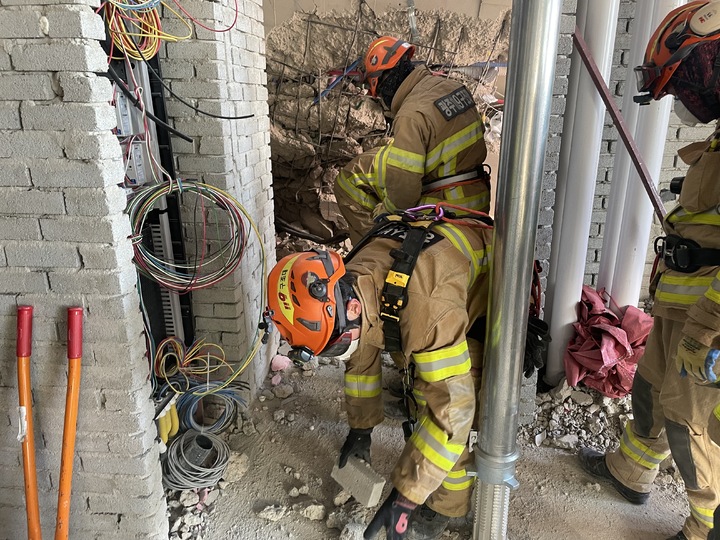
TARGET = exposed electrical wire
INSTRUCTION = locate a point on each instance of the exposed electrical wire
(183, 100)
(228, 398)
(180, 466)
(134, 100)
(210, 268)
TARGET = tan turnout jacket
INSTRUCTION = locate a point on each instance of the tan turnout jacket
(446, 294)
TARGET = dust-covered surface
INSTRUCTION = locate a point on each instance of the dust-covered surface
(280, 486)
(313, 136)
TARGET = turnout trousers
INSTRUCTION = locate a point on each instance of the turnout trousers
(670, 416)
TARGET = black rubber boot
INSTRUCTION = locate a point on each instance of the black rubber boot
(679, 536)
(594, 463)
(426, 524)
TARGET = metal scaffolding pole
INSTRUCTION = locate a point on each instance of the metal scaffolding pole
(531, 74)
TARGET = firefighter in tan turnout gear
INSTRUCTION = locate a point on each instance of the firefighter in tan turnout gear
(417, 287)
(437, 150)
(670, 409)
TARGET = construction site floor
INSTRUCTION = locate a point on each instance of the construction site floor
(286, 490)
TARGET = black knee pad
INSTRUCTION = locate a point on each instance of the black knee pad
(679, 438)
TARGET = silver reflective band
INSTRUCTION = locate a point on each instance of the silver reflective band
(442, 182)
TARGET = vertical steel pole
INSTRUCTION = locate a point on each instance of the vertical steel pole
(531, 74)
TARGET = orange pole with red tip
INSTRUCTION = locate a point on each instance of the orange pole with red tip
(74, 348)
(26, 435)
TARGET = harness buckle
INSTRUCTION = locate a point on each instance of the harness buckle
(677, 253)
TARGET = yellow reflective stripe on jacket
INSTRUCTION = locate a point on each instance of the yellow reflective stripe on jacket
(448, 149)
(408, 161)
(380, 165)
(708, 217)
(716, 412)
(440, 364)
(713, 292)
(362, 385)
(349, 184)
(703, 515)
(432, 442)
(457, 481)
(681, 290)
(638, 452)
(420, 398)
(456, 195)
(450, 168)
(479, 259)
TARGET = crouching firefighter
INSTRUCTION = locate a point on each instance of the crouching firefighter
(416, 286)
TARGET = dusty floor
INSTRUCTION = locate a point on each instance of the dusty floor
(297, 447)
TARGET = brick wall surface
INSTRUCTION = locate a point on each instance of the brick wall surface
(224, 74)
(63, 242)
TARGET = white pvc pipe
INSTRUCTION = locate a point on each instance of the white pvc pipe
(600, 32)
(621, 170)
(651, 135)
(564, 162)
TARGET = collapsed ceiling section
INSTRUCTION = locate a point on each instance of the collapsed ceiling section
(320, 115)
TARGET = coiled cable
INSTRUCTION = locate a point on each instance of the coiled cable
(187, 406)
(195, 460)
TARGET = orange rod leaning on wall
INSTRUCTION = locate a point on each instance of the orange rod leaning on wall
(26, 435)
(74, 353)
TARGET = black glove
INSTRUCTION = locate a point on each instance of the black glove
(394, 515)
(357, 444)
(536, 342)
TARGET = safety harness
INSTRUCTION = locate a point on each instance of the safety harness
(414, 231)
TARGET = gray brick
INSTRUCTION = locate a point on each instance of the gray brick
(215, 146)
(30, 201)
(85, 88)
(95, 202)
(75, 22)
(77, 56)
(177, 69)
(76, 173)
(202, 126)
(212, 164)
(10, 115)
(13, 280)
(102, 145)
(13, 173)
(42, 255)
(28, 144)
(92, 281)
(104, 257)
(20, 24)
(218, 325)
(196, 50)
(200, 89)
(65, 116)
(70, 229)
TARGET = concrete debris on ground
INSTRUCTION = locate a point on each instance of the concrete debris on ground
(566, 418)
(311, 138)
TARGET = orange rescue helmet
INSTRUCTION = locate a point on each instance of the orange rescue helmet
(303, 293)
(383, 54)
(682, 30)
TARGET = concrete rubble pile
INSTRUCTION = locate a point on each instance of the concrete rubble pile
(311, 138)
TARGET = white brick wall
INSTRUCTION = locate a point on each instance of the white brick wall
(63, 242)
(231, 154)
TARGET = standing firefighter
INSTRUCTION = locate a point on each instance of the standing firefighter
(671, 410)
(418, 288)
(437, 150)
